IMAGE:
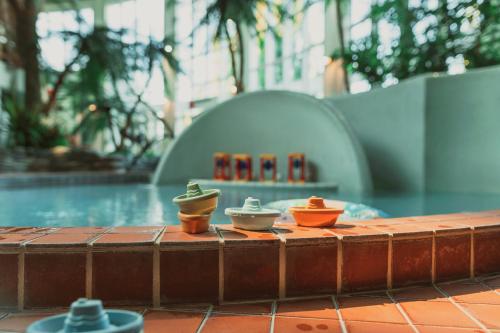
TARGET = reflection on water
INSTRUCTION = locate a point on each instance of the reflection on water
(145, 204)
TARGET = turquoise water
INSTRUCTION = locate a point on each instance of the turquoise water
(148, 205)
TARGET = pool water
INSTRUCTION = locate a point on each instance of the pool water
(149, 205)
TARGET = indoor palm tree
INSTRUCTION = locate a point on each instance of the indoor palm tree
(237, 15)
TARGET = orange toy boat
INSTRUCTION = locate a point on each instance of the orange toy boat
(315, 214)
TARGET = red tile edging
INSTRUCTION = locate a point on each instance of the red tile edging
(155, 266)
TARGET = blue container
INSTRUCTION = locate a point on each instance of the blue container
(89, 316)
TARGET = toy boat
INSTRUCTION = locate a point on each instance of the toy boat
(197, 201)
(252, 216)
(315, 214)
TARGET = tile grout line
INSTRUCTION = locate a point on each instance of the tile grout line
(89, 262)
(21, 270)
(433, 257)
(205, 319)
(340, 264)
(20, 278)
(402, 312)
(282, 267)
(472, 261)
(88, 271)
(488, 287)
(343, 327)
(464, 311)
(221, 265)
(156, 269)
(389, 261)
(274, 308)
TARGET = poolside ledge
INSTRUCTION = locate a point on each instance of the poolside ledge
(157, 266)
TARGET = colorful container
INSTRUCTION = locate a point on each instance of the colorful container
(194, 224)
(243, 167)
(268, 165)
(88, 315)
(197, 201)
(252, 216)
(296, 165)
(222, 166)
(315, 214)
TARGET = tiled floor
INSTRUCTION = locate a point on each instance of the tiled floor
(464, 307)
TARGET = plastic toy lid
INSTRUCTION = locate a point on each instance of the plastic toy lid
(195, 192)
(315, 204)
(252, 207)
(89, 316)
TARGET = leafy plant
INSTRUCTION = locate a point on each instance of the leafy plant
(27, 129)
(101, 85)
(428, 37)
(238, 15)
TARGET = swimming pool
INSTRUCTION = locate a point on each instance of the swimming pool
(149, 205)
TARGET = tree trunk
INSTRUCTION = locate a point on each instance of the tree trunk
(340, 28)
(232, 57)
(240, 86)
(27, 45)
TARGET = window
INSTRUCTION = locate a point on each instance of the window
(141, 20)
(56, 49)
(287, 60)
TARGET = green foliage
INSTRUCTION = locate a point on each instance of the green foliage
(427, 38)
(27, 129)
(105, 83)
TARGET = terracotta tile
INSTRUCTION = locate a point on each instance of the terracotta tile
(311, 269)
(189, 275)
(136, 229)
(411, 261)
(234, 236)
(405, 230)
(363, 308)
(19, 322)
(487, 314)
(493, 282)
(383, 222)
(300, 325)
(226, 323)
(374, 327)
(61, 240)
(250, 272)
(479, 222)
(135, 239)
(172, 321)
(313, 308)
(364, 265)
(245, 308)
(418, 293)
(484, 213)
(53, 279)
(8, 280)
(175, 238)
(190, 307)
(440, 329)
(123, 277)
(82, 230)
(487, 252)
(15, 240)
(438, 217)
(444, 227)
(452, 257)
(436, 314)
(355, 231)
(470, 292)
(297, 235)
(30, 230)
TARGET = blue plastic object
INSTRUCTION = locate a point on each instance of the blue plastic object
(88, 315)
